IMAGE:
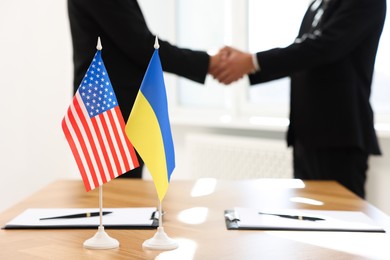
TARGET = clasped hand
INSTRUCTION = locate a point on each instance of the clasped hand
(230, 65)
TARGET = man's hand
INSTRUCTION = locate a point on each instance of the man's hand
(231, 65)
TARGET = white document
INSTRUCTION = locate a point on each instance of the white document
(143, 217)
(277, 219)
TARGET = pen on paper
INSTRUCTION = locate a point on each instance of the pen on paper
(297, 217)
(80, 215)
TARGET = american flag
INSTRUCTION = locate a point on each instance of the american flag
(94, 128)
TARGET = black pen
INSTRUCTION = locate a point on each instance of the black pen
(80, 215)
(293, 216)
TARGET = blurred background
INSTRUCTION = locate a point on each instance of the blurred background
(224, 132)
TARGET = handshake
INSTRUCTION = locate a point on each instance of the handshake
(230, 65)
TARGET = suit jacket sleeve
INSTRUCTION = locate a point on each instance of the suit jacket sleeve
(349, 25)
(124, 23)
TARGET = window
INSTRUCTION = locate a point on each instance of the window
(209, 25)
(272, 24)
(202, 28)
(380, 95)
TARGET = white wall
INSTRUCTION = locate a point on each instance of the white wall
(36, 83)
(36, 77)
(36, 72)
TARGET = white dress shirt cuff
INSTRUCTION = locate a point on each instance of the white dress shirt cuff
(255, 63)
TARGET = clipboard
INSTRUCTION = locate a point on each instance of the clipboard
(120, 218)
(269, 219)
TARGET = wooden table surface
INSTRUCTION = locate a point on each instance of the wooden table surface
(194, 217)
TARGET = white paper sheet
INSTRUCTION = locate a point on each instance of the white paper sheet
(250, 218)
(120, 217)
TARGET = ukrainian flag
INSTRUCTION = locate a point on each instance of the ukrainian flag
(148, 126)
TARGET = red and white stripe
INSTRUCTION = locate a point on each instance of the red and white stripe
(99, 145)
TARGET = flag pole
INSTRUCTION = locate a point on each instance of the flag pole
(160, 214)
(101, 240)
(101, 205)
(160, 240)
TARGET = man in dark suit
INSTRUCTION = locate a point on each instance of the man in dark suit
(127, 49)
(331, 66)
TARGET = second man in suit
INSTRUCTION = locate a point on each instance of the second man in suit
(331, 66)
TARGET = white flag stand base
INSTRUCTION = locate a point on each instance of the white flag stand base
(160, 241)
(101, 240)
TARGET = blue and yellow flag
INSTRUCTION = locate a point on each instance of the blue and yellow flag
(148, 127)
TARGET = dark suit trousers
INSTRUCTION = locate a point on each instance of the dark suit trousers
(135, 173)
(347, 165)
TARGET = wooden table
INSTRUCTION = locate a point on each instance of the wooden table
(194, 217)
